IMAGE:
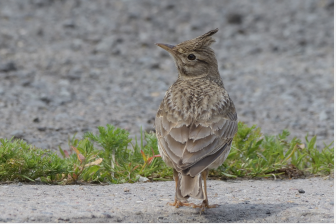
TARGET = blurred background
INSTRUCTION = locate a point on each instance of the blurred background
(68, 66)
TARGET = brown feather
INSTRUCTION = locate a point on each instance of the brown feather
(195, 146)
(191, 186)
(207, 161)
(199, 132)
(180, 134)
(174, 146)
(190, 158)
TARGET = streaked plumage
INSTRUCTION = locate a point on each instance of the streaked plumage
(197, 120)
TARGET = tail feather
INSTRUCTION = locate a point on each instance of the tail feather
(188, 186)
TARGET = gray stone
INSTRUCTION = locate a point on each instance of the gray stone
(17, 134)
(323, 116)
(77, 44)
(36, 104)
(41, 128)
(234, 18)
(105, 45)
(75, 73)
(8, 67)
(61, 116)
(64, 92)
(107, 215)
(69, 23)
(143, 179)
(301, 191)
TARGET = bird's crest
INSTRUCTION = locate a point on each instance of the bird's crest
(202, 41)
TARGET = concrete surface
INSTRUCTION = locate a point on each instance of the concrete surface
(240, 201)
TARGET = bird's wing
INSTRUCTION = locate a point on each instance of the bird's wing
(193, 145)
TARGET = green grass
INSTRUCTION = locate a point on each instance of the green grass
(23, 162)
(110, 157)
(255, 155)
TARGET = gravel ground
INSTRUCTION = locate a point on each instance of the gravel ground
(67, 67)
(240, 201)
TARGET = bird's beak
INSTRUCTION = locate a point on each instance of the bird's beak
(167, 47)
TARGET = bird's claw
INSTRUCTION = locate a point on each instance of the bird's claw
(204, 205)
(178, 204)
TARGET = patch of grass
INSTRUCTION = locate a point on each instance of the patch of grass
(122, 164)
(23, 162)
(110, 157)
(255, 155)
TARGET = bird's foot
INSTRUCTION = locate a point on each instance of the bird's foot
(205, 204)
(178, 204)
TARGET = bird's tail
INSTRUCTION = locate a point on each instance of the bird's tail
(188, 186)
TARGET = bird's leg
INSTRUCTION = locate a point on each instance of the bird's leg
(178, 203)
(205, 203)
(204, 176)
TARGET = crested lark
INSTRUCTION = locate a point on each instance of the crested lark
(196, 121)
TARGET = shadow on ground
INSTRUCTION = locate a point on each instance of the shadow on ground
(242, 212)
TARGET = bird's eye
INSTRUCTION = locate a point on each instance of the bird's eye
(191, 57)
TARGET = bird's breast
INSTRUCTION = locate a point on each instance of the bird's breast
(195, 100)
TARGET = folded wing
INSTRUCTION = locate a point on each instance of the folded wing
(194, 146)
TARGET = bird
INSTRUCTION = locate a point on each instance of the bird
(196, 120)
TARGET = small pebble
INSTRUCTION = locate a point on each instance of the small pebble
(106, 215)
(301, 191)
(7, 67)
(17, 134)
(41, 128)
(36, 120)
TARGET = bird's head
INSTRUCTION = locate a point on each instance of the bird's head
(194, 58)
